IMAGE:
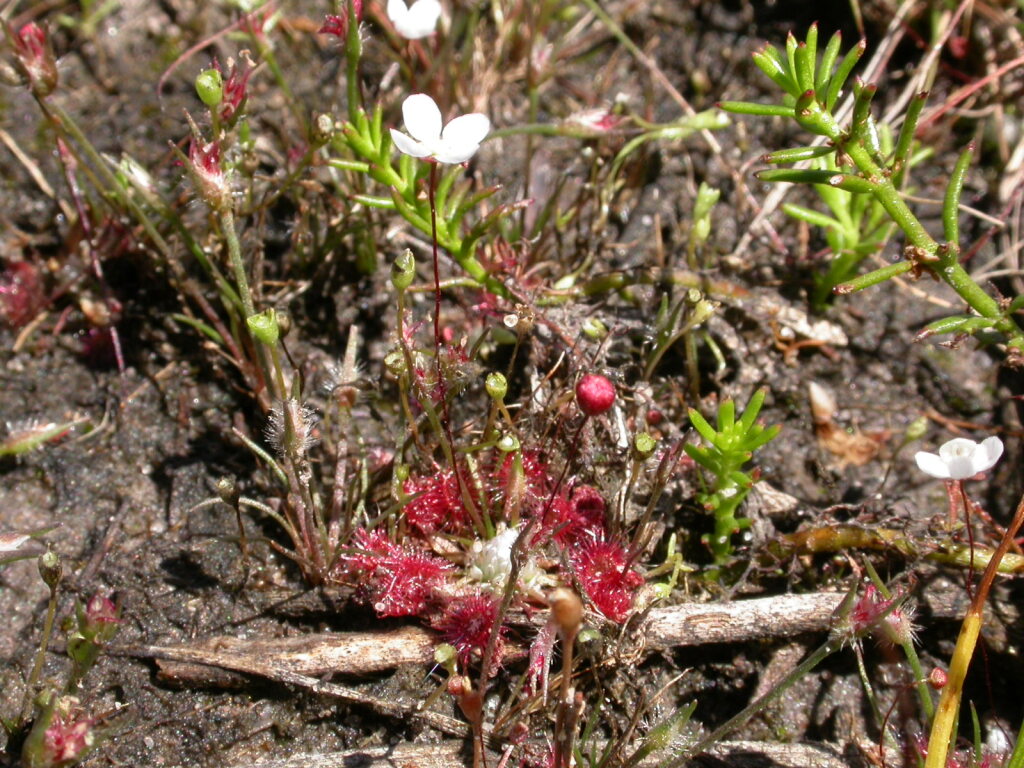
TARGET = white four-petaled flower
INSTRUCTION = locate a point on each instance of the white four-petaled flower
(456, 143)
(960, 458)
(415, 21)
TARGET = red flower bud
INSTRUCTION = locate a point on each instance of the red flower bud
(595, 394)
(235, 92)
(35, 59)
(338, 25)
(68, 737)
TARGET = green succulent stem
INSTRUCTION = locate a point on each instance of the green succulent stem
(811, 98)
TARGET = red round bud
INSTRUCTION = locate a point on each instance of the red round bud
(938, 678)
(595, 394)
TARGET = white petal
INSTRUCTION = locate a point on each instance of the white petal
(988, 454)
(11, 542)
(422, 118)
(961, 468)
(461, 138)
(454, 154)
(467, 129)
(421, 21)
(931, 464)
(409, 146)
(958, 455)
(397, 9)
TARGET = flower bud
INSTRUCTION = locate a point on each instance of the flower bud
(210, 87)
(50, 569)
(403, 271)
(264, 327)
(234, 94)
(566, 611)
(209, 177)
(496, 386)
(35, 59)
(98, 622)
(595, 394)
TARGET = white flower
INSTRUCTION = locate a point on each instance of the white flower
(960, 458)
(416, 21)
(458, 142)
(492, 562)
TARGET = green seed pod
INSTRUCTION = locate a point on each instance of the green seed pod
(594, 329)
(323, 129)
(403, 271)
(496, 386)
(394, 361)
(644, 444)
(264, 327)
(507, 443)
(401, 472)
(445, 655)
(50, 569)
(210, 87)
(916, 429)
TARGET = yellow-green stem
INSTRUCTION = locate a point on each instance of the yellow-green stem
(949, 703)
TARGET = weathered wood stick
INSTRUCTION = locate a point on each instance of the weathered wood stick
(738, 754)
(365, 653)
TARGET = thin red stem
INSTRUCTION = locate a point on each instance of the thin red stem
(970, 538)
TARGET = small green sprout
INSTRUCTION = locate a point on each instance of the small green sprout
(731, 445)
(29, 435)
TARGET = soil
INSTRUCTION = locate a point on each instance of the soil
(124, 491)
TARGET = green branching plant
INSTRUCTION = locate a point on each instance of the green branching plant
(855, 226)
(682, 320)
(811, 92)
(731, 444)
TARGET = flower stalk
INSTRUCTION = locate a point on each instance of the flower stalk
(947, 711)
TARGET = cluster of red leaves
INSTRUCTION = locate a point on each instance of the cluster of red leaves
(22, 296)
(467, 623)
(436, 504)
(398, 581)
(961, 758)
(604, 572)
(404, 580)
